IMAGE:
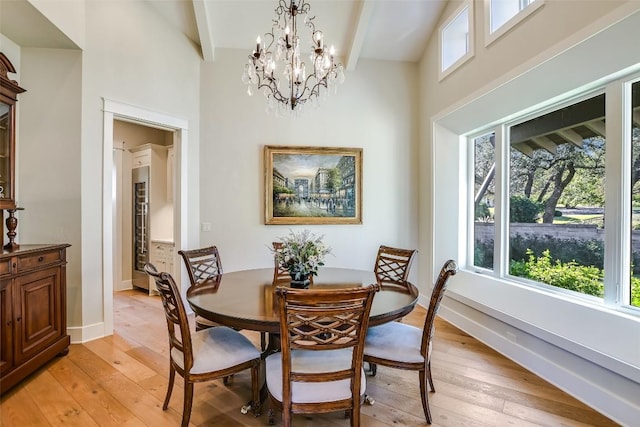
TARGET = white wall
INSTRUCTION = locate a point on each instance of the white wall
(375, 109)
(48, 155)
(589, 351)
(131, 57)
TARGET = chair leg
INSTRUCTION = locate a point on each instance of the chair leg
(355, 413)
(255, 387)
(188, 401)
(424, 396)
(286, 416)
(263, 341)
(172, 377)
(433, 388)
(373, 368)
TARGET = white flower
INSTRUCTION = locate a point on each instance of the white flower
(301, 254)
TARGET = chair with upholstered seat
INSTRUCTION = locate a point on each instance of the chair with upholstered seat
(320, 366)
(203, 265)
(403, 346)
(205, 355)
(393, 264)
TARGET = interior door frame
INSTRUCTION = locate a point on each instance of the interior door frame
(180, 128)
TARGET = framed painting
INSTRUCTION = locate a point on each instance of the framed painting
(312, 185)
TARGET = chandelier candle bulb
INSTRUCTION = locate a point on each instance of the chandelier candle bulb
(258, 45)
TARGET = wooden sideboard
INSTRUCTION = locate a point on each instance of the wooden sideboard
(33, 310)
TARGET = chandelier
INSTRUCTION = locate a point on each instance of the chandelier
(275, 67)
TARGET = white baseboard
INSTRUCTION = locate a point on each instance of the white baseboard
(87, 333)
(608, 392)
(125, 285)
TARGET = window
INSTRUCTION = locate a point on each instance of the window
(551, 211)
(502, 15)
(456, 40)
(556, 197)
(634, 282)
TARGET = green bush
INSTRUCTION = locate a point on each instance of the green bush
(583, 252)
(523, 209)
(635, 291)
(570, 275)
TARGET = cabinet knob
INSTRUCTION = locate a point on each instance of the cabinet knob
(19, 318)
(15, 265)
(40, 258)
(9, 323)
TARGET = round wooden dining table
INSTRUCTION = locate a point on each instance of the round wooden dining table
(246, 300)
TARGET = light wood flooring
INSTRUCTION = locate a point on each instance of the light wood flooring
(121, 381)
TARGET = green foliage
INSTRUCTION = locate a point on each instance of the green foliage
(483, 254)
(278, 189)
(584, 252)
(571, 275)
(635, 291)
(334, 180)
(301, 254)
(523, 209)
(586, 189)
(482, 211)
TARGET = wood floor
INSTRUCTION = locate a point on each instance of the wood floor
(121, 381)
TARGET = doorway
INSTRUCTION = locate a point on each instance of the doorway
(112, 230)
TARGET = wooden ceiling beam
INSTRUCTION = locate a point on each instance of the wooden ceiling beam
(572, 136)
(597, 126)
(546, 143)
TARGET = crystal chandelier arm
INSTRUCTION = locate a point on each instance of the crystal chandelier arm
(283, 46)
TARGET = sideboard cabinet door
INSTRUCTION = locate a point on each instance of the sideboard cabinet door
(6, 327)
(38, 311)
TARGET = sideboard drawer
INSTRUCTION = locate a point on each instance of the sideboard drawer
(27, 262)
(5, 266)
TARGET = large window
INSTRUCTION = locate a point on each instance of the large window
(456, 39)
(550, 215)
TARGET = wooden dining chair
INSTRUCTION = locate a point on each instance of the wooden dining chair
(319, 368)
(280, 274)
(205, 355)
(402, 346)
(203, 265)
(393, 264)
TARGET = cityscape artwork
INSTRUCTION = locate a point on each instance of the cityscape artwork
(313, 185)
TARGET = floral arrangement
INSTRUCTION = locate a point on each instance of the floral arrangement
(301, 254)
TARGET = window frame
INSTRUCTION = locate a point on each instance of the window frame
(617, 193)
(490, 37)
(469, 6)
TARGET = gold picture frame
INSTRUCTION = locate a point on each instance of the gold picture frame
(312, 185)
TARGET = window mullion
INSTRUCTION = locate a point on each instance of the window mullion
(501, 252)
(617, 218)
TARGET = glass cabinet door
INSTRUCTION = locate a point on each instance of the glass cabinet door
(5, 154)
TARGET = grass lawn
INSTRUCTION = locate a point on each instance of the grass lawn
(577, 218)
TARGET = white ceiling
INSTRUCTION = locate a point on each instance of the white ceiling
(395, 30)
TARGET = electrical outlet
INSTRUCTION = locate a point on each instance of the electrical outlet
(205, 226)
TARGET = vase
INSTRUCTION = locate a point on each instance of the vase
(300, 284)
